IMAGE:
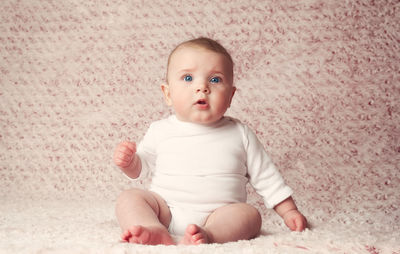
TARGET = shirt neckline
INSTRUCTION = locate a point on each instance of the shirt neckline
(196, 126)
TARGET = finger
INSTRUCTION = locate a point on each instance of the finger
(119, 160)
(125, 157)
(300, 224)
(291, 224)
(131, 146)
(125, 148)
(122, 160)
(121, 155)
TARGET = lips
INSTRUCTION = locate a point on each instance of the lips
(201, 104)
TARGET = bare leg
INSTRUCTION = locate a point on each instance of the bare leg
(144, 217)
(229, 223)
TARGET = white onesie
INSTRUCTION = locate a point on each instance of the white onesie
(198, 168)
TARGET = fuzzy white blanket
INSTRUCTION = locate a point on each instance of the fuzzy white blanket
(319, 82)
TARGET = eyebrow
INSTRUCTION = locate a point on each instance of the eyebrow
(189, 70)
(185, 70)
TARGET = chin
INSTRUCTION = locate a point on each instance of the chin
(206, 121)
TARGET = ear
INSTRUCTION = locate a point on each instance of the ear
(167, 97)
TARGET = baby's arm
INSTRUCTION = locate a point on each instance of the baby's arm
(293, 218)
(127, 160)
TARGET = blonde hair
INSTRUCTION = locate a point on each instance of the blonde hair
(204, 43)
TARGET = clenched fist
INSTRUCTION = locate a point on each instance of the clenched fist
(124, 154)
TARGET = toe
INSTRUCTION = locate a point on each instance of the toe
(134, 240)
(192, 232)
(197, 237)
(136, 231)
(126, 235)
(201, 241)
(192, 229)
(194, 235)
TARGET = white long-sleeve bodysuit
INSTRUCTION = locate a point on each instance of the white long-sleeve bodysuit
(198, 168)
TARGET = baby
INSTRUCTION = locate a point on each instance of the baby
(200, 161)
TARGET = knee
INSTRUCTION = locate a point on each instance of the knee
(254, 216)
(250, 215)
(129, 195)
(254, 220)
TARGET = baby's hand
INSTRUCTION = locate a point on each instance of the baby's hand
(295, 220)
(124, 154)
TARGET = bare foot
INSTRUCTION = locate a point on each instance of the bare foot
(195, 235)
(147, 236)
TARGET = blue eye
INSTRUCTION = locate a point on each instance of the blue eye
(188, 78)
(215, 80)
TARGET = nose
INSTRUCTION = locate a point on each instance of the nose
(203, 87)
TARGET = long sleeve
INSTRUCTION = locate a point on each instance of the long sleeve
(263, 175)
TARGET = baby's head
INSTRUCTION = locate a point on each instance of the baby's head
(203, 43)
(199, 83)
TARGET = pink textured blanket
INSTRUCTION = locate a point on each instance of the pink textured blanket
(318, 81)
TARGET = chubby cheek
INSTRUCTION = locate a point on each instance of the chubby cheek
(178, 103)
(222, 104)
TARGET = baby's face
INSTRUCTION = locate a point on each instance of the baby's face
(199, 85)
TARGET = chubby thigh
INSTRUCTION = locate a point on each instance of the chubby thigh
(141, 207)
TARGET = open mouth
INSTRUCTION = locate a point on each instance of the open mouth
(201, 102)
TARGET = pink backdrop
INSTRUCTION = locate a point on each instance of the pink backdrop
(319, 82)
